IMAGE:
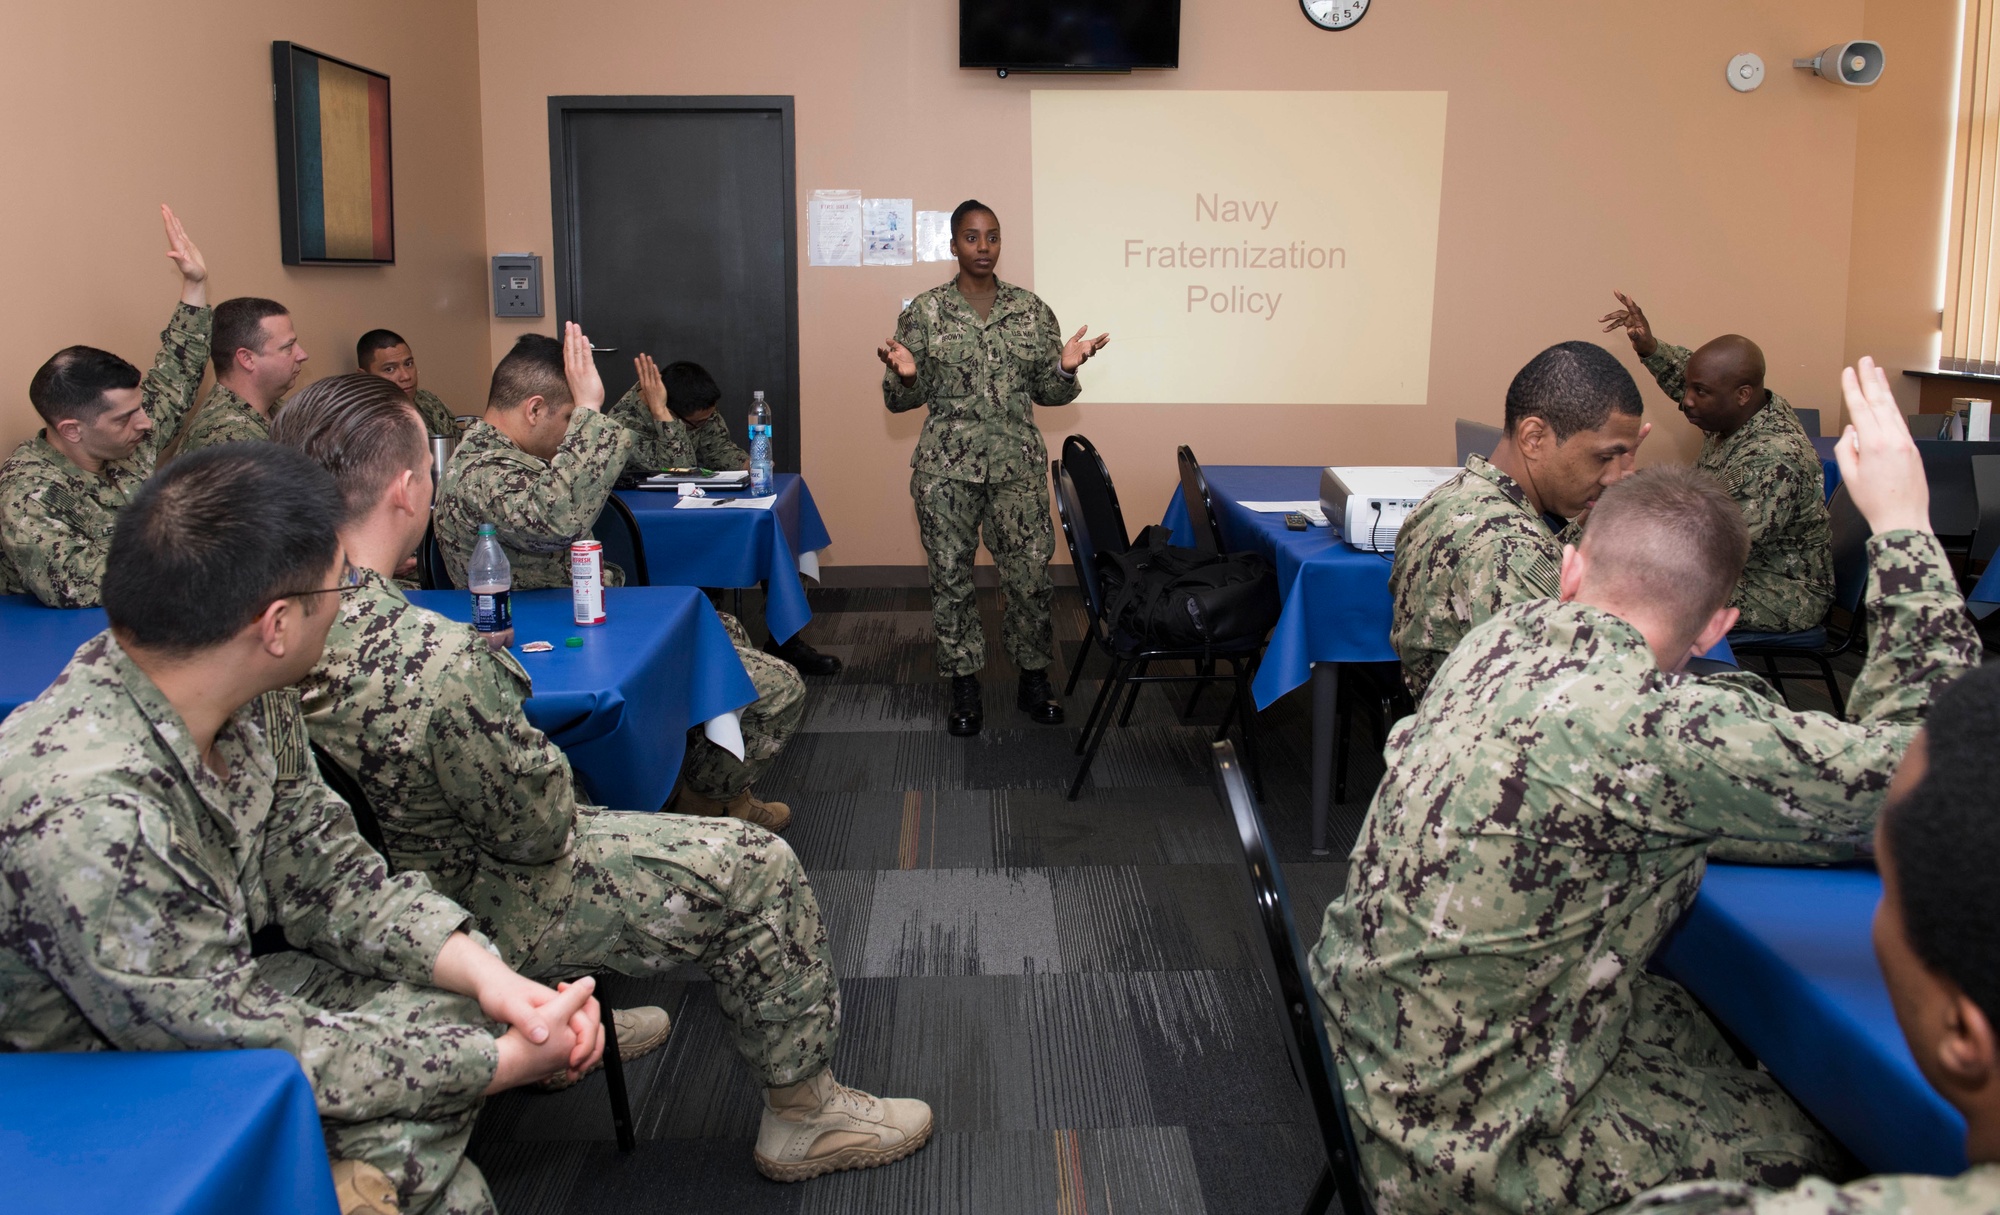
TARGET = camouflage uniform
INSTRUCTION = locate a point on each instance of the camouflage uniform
(10, 578)
(472, 794)
(55, 518)
(225, 418)
(537, 508)
(981, 464)
(437, 416)
(1975, 1192)
(1770, 468)
(673, 443)
(1475, 545)
(132, 878)
(1544, 823)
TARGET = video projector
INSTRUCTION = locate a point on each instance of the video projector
(1371, 503)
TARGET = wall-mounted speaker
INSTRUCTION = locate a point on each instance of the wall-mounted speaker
(1857, 63)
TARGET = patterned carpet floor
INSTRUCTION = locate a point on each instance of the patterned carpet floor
(1075, 987)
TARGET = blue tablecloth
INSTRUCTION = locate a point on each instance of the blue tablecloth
(1829, 467)
(1783, 958)
(1987, 589)
(621, 704)
(1336, 598)
(735, 548)
(38, 643)
(154, 1133)
(1337, 606)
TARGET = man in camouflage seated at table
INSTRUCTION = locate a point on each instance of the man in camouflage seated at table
(61, 491)
(430, 719)
(384, 352)
(174, 875)
(539, 466)
(1481, 541)
(1545, 821)
(1938, 847)
(258, 359)
(1755, 445)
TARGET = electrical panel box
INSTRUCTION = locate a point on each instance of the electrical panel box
(517, 284)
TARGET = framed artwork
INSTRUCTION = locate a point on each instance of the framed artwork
(336, 196)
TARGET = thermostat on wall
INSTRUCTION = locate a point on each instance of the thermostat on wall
(517, 284)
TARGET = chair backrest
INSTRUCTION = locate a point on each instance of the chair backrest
(1312, 1054)
(624, 547)
(343, 782)
(1986, 489)
(1082, 552)
(431, 575)
(1200, 506)
(1476, 439)
(1925, 425)
(1808, 418)
(1096, 495)
(1850, 551)
(1948, 468)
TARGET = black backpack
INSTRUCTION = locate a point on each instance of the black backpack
(1184, 598)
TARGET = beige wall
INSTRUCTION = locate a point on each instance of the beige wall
(113, 108)
(1589, 146)
(1902, 161)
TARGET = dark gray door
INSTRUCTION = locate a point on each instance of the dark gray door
(675, 234)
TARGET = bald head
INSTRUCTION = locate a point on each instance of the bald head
(1724, 384)
(1730, 360)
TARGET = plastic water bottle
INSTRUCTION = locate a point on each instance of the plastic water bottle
(760, 445)
(491, 580)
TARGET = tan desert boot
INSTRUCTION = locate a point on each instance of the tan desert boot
(362, 1189)
(640, 1032)
(821, 1126)
(771, 816)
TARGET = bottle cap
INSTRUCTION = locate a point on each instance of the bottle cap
(574, 643)
(486, 529)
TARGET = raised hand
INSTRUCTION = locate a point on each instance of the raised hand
(1879, 462)
(652, 389)
(182, 252)
(1632, 319)
(586, 387)
(897, 358)
(1077, 351)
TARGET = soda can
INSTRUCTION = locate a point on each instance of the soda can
(586, 581)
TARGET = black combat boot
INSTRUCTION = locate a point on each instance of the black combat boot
(803, 656)
(965, 715)
(1039, 700)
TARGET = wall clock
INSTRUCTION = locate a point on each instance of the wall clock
(1334, 14)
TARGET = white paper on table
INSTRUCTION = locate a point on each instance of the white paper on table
(809, 564)
(833, 228)
(1310, 510)
(701, 503)
(885, 232)
(933, 237)
(725, 730)
(763, 503)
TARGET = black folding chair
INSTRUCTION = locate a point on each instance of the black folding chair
(1809, 419)
(431, 575)
(344, 783)
(1986, 491)
(624, 547)
(1299, 1007)
(1130, 656)
(1098, 500)
(1821, 645)
(1199, 503)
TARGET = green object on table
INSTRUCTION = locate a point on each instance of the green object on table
(574, 643)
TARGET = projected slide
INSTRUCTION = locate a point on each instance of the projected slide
(1242, 247)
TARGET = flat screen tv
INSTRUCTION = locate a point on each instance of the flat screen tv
(1069, 35)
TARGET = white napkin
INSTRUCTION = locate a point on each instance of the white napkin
(725, 730)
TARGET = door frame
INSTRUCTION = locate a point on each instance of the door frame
(562, 211)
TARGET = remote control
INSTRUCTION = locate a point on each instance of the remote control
(1297, 522)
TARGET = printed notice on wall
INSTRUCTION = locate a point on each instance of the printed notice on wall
(833, 228)
(885, 231)
(1276, 248)
(933, 236)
